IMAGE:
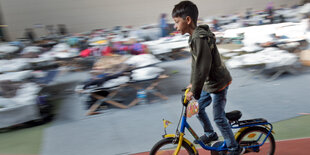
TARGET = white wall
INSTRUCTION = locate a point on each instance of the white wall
(84, 15)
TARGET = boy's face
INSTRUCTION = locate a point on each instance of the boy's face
(182, 25)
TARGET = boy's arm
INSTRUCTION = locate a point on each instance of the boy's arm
(201, 65)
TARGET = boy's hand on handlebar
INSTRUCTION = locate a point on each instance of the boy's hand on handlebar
(189, 96)
(189, 86)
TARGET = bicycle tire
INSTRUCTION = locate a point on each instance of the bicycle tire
(248, 136)
(185, 149)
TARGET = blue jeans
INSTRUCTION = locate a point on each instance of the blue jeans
(219, 102)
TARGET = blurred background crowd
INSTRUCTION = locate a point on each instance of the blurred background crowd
(44, 58)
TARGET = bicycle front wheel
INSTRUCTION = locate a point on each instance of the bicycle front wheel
(255, 136)
(167, 146)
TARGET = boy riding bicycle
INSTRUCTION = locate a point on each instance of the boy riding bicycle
(209, 77)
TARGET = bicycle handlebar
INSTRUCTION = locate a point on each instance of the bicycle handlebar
(184, 100)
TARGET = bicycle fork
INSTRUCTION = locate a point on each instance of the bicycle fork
(180, 135)
(177, 150)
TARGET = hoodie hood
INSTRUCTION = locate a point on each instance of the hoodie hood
(202, 31)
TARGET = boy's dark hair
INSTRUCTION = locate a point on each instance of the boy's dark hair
(186, 8)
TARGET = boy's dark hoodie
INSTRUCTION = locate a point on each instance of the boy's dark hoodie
(209, 73)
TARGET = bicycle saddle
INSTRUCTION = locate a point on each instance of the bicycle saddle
(233, 115)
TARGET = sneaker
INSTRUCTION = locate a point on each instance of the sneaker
(207, 139)
(238, 151)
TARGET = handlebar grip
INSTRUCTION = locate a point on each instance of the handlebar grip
(184, 100)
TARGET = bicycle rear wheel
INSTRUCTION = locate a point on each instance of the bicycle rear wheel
(167, 146)
(255, 136)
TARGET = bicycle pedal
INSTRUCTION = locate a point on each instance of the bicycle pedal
(217, 143)
(207, 144)
(212, 143)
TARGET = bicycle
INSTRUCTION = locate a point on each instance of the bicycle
(254, 135)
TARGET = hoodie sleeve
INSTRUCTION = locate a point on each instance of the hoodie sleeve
(201, 65)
